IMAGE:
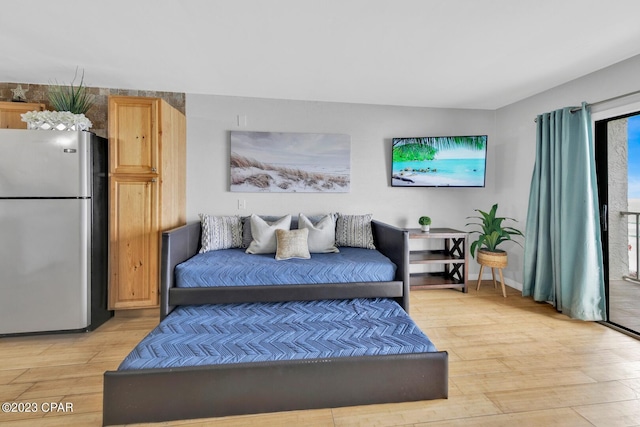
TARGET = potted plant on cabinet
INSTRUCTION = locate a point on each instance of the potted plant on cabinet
(491, 234)
(70, 103)
(424, 222)
(74, 99)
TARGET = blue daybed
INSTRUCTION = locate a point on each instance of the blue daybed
(238, 344)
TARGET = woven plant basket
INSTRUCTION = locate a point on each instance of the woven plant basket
(492, 259)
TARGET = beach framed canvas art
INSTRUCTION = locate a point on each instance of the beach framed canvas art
(290, 162)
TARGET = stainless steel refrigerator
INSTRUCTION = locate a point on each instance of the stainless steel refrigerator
(53, 231)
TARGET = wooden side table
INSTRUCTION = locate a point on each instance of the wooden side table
(453, 259)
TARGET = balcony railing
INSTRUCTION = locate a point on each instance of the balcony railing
(634, 241)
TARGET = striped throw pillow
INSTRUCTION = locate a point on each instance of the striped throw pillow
(220, 232)
(354, 231)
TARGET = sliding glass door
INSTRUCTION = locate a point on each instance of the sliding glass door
(617, 142)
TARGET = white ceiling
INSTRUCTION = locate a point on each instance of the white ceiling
(435, 53)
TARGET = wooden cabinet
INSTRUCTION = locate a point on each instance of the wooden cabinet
(133, 129)
(134, 220)
(449, 260)
(147, 153)
(10, 114)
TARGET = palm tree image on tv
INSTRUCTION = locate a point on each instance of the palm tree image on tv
(450, 161)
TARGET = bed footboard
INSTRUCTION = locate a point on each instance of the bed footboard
(393, 242)
(150, 395)
(280, 293)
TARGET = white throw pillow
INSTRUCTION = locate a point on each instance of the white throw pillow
(322, 234)
(247, 237)
(354, 231)
(292, 244)
(220, 232)
(264, 234)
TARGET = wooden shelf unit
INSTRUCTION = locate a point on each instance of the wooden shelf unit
(452, 259)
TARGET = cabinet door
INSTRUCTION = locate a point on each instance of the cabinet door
(10, 114)
(134, 239)
(133, 134)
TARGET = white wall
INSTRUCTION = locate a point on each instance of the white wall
(510, 160)
(211, 118)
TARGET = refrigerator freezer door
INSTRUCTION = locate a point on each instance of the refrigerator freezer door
(44, 268)
(37, 163)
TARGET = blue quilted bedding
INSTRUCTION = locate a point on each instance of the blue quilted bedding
(233, 267)
(251, 332)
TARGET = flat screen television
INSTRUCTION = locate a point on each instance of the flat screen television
(439, 161)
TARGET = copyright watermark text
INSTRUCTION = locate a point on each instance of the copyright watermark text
(46, 407)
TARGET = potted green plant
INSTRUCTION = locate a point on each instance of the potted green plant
(70, 104)
(424, 222)
(491, 234)
(75, 99)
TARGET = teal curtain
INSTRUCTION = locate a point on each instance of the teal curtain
(563, 251)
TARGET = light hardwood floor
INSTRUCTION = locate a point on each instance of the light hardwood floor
(511, 362)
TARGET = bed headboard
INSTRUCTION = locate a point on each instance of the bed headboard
(184, 244)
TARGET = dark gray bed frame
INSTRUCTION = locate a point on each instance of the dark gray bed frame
(154, 395)
(180, 244)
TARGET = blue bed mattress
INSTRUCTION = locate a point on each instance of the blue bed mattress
(233, 267)
(252, 332)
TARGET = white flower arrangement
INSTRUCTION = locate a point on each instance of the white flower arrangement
(56, 120)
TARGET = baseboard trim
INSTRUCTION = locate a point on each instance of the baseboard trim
(138, 312)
